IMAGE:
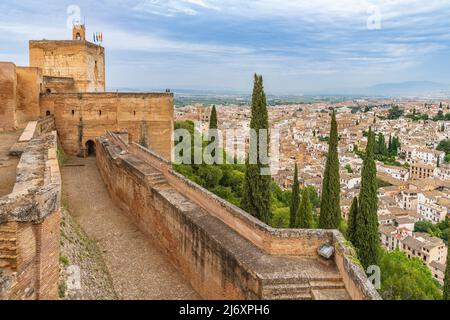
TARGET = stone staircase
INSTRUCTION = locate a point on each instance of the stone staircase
(75, 162)
(8, 246)
(326, 288)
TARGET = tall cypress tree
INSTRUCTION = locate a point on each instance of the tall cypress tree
(353, 213)
(382, 144)
(295, 200)
(330, 208)
(256, 198)
(446, 295)
(390, 144)
(305, 214)
(395, 145)
(212, 126)
(213, 118)
(366, 239)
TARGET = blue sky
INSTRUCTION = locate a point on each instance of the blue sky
(300, 46)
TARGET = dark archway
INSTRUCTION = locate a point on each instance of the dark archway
(47, 113)
(90, 148)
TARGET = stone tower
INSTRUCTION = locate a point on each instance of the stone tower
(73, 65)
(79, 32)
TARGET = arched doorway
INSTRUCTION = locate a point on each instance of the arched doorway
(90, 148)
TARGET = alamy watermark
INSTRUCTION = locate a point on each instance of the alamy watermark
(374, 19)
(74, 16)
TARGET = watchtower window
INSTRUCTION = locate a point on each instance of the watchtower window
(99, 112)
(73, 112)
(47, 113)
(134, 113)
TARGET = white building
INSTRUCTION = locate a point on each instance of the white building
(427, 156)
(433, 205)
(399, 173)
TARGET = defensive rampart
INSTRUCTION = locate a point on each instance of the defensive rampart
(224, 252)
(30, 219)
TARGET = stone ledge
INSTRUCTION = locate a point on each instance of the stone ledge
(107, 95)
(34, 197)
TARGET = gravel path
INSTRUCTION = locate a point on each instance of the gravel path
(78, 251)
(137, 268)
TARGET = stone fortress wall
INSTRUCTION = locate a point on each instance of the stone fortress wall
(66, 78)
(63, 89)
(146, 117)
(81, 60)
(224, 252)
(30, 219)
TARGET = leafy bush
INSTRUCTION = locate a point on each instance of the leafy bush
(403, 278)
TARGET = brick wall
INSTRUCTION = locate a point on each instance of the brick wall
(8, 96)
(29, 83)
(112, 111)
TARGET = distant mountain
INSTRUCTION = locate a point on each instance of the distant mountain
(410, 88)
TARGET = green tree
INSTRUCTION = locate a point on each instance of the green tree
(390, 144)
(213, 126)
(295, 200)
(439, 116)
(211, 175)
(256, 198)
(447, 276)
(352, 214)
(395, 145)
(330, 208)
(213, 118)
(444, 145)
(348, 167)
(305, 214)
(380, 146)
(366, 238)
(394, 113)
(403, 278)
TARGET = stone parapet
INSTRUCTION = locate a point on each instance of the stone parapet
(30, 221)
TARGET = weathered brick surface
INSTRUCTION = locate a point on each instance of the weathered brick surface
(48, 256)
(29, 83)
(100, 112)
(8, 96)
(81, 60)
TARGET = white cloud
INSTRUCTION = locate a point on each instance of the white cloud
(323, 11)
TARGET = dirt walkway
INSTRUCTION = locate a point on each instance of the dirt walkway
(8, 164)
(137, 268)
